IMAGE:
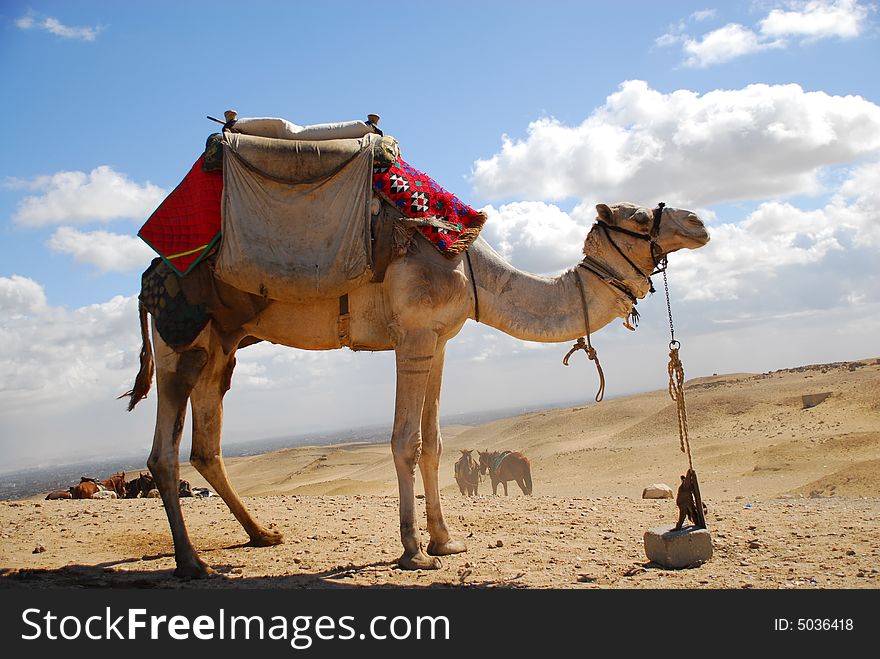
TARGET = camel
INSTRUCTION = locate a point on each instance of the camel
(423, 302)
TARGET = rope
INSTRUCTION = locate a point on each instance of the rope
(587, 346)
(676, 382)
(676, 392)
(467, 256)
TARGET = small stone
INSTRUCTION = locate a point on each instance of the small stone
(850, 553)
(586, 578)
(754, 544)
(498, 543)
(39, 549)
(657, 491)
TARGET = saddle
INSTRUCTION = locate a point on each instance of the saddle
(296, 216)
(497, 464)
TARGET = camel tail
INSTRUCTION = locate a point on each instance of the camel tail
(145, 375)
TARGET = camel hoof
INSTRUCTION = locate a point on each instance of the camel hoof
(446, 548)
(419, 561)
(266, 539)
(196, 569)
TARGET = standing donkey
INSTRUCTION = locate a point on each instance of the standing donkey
(507, 466)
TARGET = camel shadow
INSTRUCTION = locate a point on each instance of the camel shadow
(226, 576)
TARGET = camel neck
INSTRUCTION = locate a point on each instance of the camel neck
(536, 308)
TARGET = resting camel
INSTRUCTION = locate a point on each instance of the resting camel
(422, 303)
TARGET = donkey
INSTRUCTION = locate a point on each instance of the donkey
(507, 466)
(467, 473)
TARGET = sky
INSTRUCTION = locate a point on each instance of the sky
(763, 117)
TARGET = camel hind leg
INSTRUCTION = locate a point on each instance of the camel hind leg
(207, 457)
(176, 374)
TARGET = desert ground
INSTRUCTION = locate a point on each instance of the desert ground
(791, 478)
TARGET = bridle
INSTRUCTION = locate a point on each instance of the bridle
(658, 257)
(607, 275)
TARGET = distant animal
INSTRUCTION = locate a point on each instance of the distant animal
(138, 487)
(506, 466)
(184, 489)
(467, 473)
(153, 494)
(58, 494)
(87, 487)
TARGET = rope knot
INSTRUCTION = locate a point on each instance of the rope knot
(584, 345)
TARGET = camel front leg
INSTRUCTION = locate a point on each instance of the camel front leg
(175, 378)
(432, 448)
(414, 352)
(207, 457)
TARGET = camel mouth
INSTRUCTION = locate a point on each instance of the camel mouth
(695, 229)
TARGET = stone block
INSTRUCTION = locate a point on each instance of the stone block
(811, 400)
(657, 491)
(686, 547)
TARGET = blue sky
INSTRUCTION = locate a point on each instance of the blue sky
(763, 116)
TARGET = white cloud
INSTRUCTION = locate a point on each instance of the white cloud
(741, 256)
(685, 148)
(703, 15)
(59, 29)
(109, 252)
(724, 44)
(77, 197)
(50, 352)
(817, 19)
(20, 295)
(535, 236)
(801, 21)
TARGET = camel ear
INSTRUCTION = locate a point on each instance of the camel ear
(604, 212)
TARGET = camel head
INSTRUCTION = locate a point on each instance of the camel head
(466, 451)
(677, 228)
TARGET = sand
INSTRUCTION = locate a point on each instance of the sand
(791, 485)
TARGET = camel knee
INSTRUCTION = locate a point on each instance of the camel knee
(407, 450)
(203, 461)
(163, 465)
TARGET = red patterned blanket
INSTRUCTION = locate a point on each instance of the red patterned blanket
(448, 224)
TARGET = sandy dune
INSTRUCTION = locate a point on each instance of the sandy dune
(792, 492)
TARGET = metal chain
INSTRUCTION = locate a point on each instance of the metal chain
(673, 342)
